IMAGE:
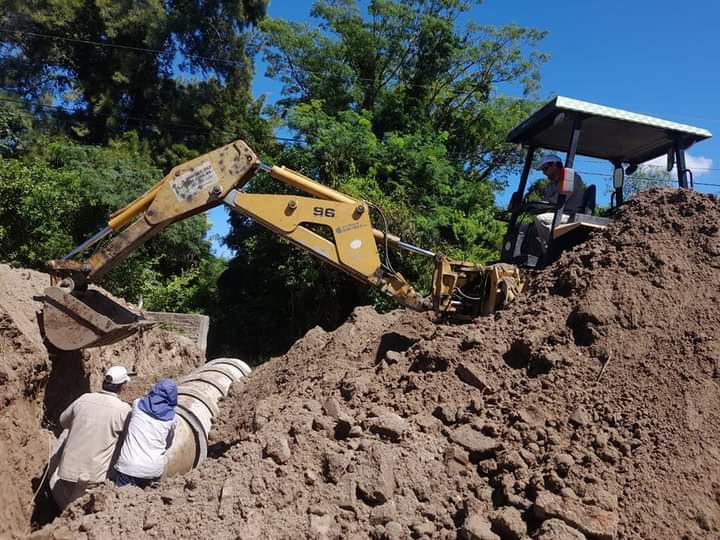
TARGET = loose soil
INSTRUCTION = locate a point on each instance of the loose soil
(36, 385)
(588, 409)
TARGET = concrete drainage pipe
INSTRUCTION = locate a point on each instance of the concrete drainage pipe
(198, 396)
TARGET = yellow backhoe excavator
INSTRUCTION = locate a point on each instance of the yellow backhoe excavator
(76, 316)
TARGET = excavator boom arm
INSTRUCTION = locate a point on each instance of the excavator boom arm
(331, 225)
(189, 189)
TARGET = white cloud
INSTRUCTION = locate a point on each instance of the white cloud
(699, 165)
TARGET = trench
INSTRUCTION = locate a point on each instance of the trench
(198, 395)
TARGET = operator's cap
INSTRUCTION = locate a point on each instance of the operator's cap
(116, 375)
(550, 158)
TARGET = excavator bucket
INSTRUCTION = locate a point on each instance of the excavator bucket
(81, 319)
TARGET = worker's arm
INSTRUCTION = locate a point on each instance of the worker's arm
(67, 416)
(171, 434)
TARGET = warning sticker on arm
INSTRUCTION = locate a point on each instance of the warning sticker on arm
(195, 180)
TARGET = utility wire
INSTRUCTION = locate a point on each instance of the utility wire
(196, 127)
(649, 179)
(222, 60)
(200, 129)
(242, 64)
(235, 62)
(595, 160)
(155, 52)
(138, 119)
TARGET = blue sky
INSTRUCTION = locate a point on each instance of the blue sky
(653, 57)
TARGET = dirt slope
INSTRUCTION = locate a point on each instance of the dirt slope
(36, 386)
(588, 409)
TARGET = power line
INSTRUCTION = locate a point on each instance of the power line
(234, 62)
(648, 179)
(141, 120)
(242, 64)
(146, 50)
(197, 128)
(214, 59)
(591, 160)
(705, 184)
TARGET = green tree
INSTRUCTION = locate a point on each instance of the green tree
(15, 125)
(399, 106)
(145, 86)
(34, 212)
(175, 71)
(192, 291)
(60, 193)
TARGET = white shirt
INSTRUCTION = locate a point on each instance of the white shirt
(143, 454)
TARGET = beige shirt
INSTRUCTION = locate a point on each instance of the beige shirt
(95, 422)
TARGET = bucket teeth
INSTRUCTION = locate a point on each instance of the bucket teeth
(78, 320)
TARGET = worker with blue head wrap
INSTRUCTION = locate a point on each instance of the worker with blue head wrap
(149, 435)
(160, 402)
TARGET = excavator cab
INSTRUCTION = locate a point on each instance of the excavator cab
(579, 128)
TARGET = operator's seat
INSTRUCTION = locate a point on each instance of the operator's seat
(588, 201)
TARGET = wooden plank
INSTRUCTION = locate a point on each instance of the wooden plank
(565, 228)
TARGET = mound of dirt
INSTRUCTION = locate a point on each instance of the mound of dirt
(36, 386)
(589, 409)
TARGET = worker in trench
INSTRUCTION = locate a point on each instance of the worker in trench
(150, 433)
(94, 422)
